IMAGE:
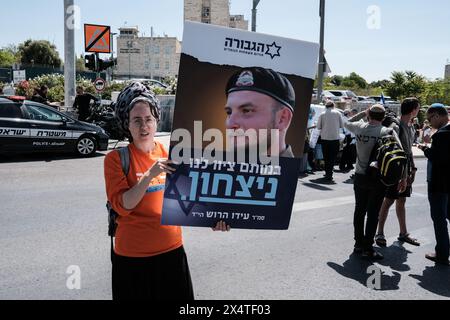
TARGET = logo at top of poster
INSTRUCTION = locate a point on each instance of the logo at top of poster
(252, 47)
(245, 79)
(273, 50)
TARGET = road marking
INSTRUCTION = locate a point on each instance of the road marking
(332, 221)
(324, 203)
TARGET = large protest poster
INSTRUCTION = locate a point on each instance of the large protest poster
(238, 92)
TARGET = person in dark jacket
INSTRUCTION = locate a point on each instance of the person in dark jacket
(40, 95)
(438, 177)
(82, 103)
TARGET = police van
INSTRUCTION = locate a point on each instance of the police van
(27, 126)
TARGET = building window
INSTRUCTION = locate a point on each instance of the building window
(147, 65)
(168, 50)
(157, 65)
(206, 14)
(156, 50)
(147, 49)
(167, 65)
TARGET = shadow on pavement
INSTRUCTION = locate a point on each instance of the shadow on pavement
(348, 181)
(316, 186)
(395, 257)
(323, 181)
(435, 279)
(356, 268)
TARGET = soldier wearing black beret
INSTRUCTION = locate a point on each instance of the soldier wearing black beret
(259, 98)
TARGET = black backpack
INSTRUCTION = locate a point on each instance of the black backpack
(390, 118)
(112, 215)
(388, 160)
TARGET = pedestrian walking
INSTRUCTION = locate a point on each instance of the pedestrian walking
(329, 123)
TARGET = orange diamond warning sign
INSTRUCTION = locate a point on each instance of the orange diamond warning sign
(97, 38)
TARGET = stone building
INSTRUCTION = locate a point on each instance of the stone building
(447, 71)
(146, 57)
(216, 12)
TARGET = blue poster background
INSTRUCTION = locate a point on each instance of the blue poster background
(264, 206)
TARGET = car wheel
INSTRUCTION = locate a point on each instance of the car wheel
(86, 146)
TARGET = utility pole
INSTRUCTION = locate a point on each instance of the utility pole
(322, 62)
(112, 54)
(254, 12)
(69, 53)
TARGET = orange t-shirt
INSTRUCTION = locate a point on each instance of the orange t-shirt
(139, 231)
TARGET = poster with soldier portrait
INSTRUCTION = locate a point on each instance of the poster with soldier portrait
(239, 128)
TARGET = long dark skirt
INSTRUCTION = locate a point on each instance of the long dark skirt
(163, 277)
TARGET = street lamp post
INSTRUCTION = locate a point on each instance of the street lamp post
(322, 51)
(254, 12)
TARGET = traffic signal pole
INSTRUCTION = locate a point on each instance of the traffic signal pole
(322, 63)
(97, 65)
(254, 13)
(69, 53)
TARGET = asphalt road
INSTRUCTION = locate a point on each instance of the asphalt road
(52, 216)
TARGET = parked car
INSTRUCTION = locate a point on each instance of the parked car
(345, 95)
(27, 126)
(366, 100)
(387, 99)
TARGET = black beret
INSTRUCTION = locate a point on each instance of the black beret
(265, 81)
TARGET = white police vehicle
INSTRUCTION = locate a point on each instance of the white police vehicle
(27, 126)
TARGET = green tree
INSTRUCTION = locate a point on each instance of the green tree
(359, 81)
(379, 84)
(437, 91)
(80, 64)
(396, 87)
(336, 80)
(407, 84)
(7, 59)
(39, 52)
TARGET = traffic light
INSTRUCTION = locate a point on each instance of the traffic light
(91, 62)
(103, 65)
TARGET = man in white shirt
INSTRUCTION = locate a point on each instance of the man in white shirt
(330, 122)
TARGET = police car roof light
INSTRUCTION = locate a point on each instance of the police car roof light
(16, 98)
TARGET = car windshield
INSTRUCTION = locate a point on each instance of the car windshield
(337, 93)
(43, 114)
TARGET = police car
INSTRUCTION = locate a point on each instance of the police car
(27, 126)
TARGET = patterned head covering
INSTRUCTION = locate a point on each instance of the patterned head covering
(135, 92)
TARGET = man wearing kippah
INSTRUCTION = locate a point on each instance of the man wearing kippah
(330, 122)
(259, 98)
(369, 192)
(438, 178)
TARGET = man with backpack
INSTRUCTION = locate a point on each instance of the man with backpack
(369, 190)
(399, 192)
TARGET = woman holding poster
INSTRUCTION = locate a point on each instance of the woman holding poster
(149, 261)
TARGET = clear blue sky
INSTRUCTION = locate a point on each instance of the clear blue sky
(413, 34)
